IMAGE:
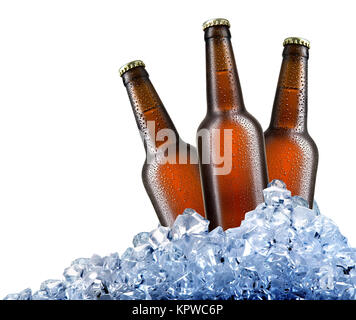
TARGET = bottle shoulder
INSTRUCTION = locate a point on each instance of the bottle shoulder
(281, 135)
(287, 133)
(229, 118)
(171, 154)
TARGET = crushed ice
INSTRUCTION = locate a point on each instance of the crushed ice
(282, 250)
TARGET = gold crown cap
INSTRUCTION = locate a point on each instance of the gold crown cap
(296, 40)
(133, 64)
(216, 22)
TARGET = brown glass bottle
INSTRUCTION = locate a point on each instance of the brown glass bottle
(292, 155)
(170, 173)
(228, 195)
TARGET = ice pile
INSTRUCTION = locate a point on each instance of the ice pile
(282, 250)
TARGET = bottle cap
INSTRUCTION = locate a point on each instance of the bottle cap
(216, 22)
(130, 65)
(296, 40)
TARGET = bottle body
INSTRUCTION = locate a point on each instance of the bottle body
(233, 185)
(292, 155)
(293, 158)
(173, 187)
(228, 197)
(170, 173)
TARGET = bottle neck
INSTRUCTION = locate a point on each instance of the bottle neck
(151, 117)
(223, 84)
(291, 100)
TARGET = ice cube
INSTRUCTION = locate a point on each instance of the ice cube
(54, 289)
(188, 223)
(141, 239)
(159, 237)
(23, 295)
(277, 183)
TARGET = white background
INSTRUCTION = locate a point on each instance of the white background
(70, 152)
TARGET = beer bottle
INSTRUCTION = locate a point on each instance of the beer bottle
(230, 140)
(170, 173)
(292, 155)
